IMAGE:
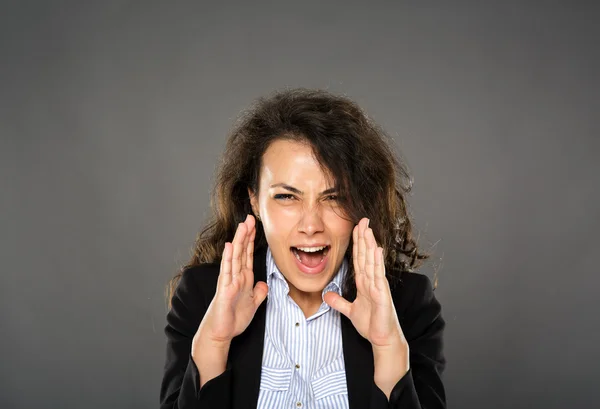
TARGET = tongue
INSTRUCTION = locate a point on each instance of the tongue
(310, 259)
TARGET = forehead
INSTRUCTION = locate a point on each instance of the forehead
(291, 160)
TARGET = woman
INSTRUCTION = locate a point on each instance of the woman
(310, 214)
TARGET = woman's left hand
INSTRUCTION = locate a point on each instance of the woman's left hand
(372, 312)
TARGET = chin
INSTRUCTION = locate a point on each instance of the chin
(308, 288)
(311, 283)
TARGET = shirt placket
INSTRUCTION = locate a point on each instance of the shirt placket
(300, 351)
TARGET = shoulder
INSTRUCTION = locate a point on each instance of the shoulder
(416, 304)
(411, 286)
(199, 281)
(191, 298)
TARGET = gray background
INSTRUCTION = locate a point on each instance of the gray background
(112, 116)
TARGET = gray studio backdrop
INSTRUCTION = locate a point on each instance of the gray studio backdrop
(112, 115)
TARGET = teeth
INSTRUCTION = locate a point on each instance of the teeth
(311, 249)
(308, 250)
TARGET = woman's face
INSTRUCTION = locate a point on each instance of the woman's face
(300, 215)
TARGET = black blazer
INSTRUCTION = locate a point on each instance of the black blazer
(420, 318)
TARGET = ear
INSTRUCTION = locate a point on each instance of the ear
(253, 201)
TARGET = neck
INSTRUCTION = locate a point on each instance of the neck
(309, 303)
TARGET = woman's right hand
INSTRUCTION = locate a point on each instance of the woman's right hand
(236, 299)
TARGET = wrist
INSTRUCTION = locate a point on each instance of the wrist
(391, 364)
(210, 358)
(210, 349)
(396, 345)
(394, 355)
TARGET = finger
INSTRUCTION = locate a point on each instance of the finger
(338, 303)
(380, 280)
(364, 283)
(362, 225)
(260, 293)
(238, 240)
(225, 274)
(250, 245)
(355, 250)
(244, 244)
(248, 262)
(370, 255)
(359, 276)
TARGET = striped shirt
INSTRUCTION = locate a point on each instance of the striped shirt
(303, 361)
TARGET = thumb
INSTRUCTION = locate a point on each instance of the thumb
(260, 293)
(338, 303)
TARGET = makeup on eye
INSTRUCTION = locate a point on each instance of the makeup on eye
(288, 196)
(284, 196)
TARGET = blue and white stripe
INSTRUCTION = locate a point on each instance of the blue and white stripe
(303, 361)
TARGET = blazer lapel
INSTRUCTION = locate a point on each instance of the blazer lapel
(245, 354)
(358, 359)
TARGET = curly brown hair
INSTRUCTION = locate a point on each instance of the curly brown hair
(349, 146)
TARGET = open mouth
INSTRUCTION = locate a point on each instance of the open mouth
(310, 256)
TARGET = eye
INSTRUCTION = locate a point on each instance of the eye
(283, 196)
(332, 197)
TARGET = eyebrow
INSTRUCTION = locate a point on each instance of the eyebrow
(299, 192)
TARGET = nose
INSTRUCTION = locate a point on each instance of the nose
(311, 221)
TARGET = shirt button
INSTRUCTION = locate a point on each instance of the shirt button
(297, 324)
(297, 366)
(299, 404)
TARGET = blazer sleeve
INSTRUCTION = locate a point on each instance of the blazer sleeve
(421, 387)
(180, 387)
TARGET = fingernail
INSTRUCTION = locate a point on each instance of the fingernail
(368, 221)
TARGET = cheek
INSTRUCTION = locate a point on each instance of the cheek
(282, 210)
(343, 231)
(279, 219)
(348, 228)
